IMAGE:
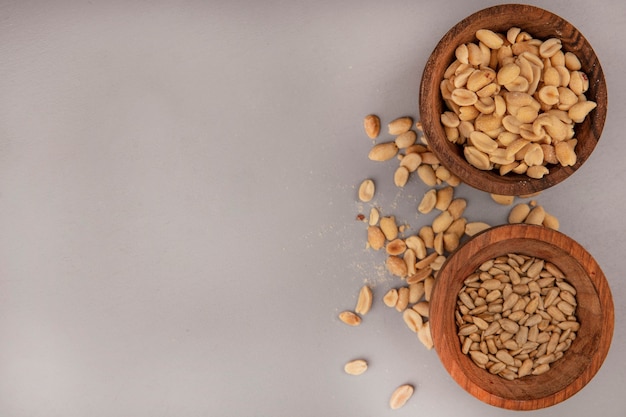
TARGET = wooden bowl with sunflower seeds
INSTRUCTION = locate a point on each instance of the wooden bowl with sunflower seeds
(521, 316)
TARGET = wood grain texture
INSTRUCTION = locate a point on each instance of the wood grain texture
(595, 313)
(540, 24)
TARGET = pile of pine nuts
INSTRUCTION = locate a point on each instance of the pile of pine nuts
(513, 101)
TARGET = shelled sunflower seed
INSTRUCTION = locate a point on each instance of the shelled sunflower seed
(516, 315)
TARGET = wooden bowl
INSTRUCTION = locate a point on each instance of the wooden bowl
(540, 24)
(594, 312)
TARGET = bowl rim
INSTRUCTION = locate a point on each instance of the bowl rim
(446, 278)
(491, 181)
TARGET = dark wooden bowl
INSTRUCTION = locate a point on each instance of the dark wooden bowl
(540, 24)
(595, 313)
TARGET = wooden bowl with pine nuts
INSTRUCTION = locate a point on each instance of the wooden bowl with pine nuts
(594, 313)
(500, 166)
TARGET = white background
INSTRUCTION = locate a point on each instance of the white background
(178, 201)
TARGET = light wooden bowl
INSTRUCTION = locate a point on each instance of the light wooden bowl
(540, 24)
(595, 313)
